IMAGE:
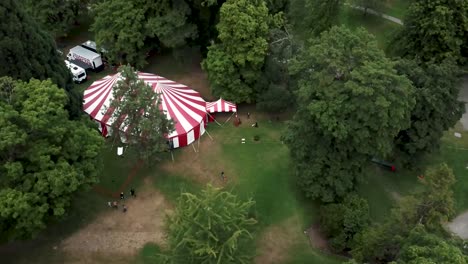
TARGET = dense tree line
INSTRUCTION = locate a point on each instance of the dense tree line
(27, 51)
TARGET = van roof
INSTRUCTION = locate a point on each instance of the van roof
(75, 69)
(84, 52)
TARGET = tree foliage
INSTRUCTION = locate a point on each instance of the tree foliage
(129, 30)
(314, 16)
(234, 63)
(26, 52)
(351, 104)
(437, 107)
(434, 30)
(211, 227)
(375, 5)
(342, 221)
(137, 112)
(44, 157)
(382, 243)
(422, 247)
(56, 16)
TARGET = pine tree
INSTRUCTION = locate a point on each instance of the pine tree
(26, 51)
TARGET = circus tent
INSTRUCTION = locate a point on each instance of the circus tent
(221, 106)
(180, 103)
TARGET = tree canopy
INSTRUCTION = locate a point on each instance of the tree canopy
(434, 30)
(137, 113)
(44, 157)
(211, 227)
(234, 63)
(129, 30)
(351, 104)
(314, 16)
(56, 16)
(437, 107)
(26, 51)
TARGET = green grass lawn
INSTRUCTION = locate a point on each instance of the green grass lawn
(381, 28)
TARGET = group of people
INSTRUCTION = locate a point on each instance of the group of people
(115, 204)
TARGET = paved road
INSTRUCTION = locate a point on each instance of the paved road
(464, 98)
(459, 225)
(373, 12)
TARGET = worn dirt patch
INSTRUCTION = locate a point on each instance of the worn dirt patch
(203, 166)
(317, 239)
(276, 240)
(120, 234)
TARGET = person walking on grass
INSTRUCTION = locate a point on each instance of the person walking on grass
(222, 176)
(124, 209)
(132, 193)
(122, 196)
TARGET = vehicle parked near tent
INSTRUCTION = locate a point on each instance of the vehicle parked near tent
(92, 46)
(85, 58)
(78, 73)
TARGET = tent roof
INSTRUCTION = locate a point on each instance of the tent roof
(220, 106)
(180, 103)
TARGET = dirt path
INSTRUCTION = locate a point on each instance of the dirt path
(121, 234)
(464, 98)
(459, 225)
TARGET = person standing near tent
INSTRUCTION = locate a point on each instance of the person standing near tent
(132, 192)
(248, 115)
(222, 176)
(122, 196)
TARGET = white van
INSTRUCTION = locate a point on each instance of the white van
(85, 58)
(91, 45)
(78, 73)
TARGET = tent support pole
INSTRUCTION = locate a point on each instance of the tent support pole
(194, 148)
(214, 119)
(230, 117)
(208, 134)
(199, 142)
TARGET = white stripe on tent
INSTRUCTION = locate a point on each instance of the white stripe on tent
(190, 137)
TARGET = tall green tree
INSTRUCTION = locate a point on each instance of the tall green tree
(313, 17)
(234, 63)
(26, 51)
(211, 227)
(44, 157)
(430, 208)
(437, 107)
(434, 30)
(56, 16)
(423, 247)
(138, 116)
(351, 104)
(342, 221)
(129, 30)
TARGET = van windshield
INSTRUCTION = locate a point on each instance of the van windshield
(81, 75)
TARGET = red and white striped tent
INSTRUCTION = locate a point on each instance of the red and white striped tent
(180, 103)
(220, 106)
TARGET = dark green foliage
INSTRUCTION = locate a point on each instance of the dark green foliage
(422, 247)
(351, 104)
(342, 221)
(234, 64)
(44, 157)
(437, 107)
(375, 5)
(430, 208)
(129, 30)
(314, 16)
(28, 52)
(434, 30)
(212, 227)
(56, 16)
(145, 125)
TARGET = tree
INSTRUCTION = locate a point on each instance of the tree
(434, 30)
(422, 247)
(342, 221)
(130, 30)
(211, 227)
(137, 112)
(316, 16)
(351, 104)
(234, 64)
(56, 16)
(437, 107)
(28, 52)
(44, 157)
(429, 208)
